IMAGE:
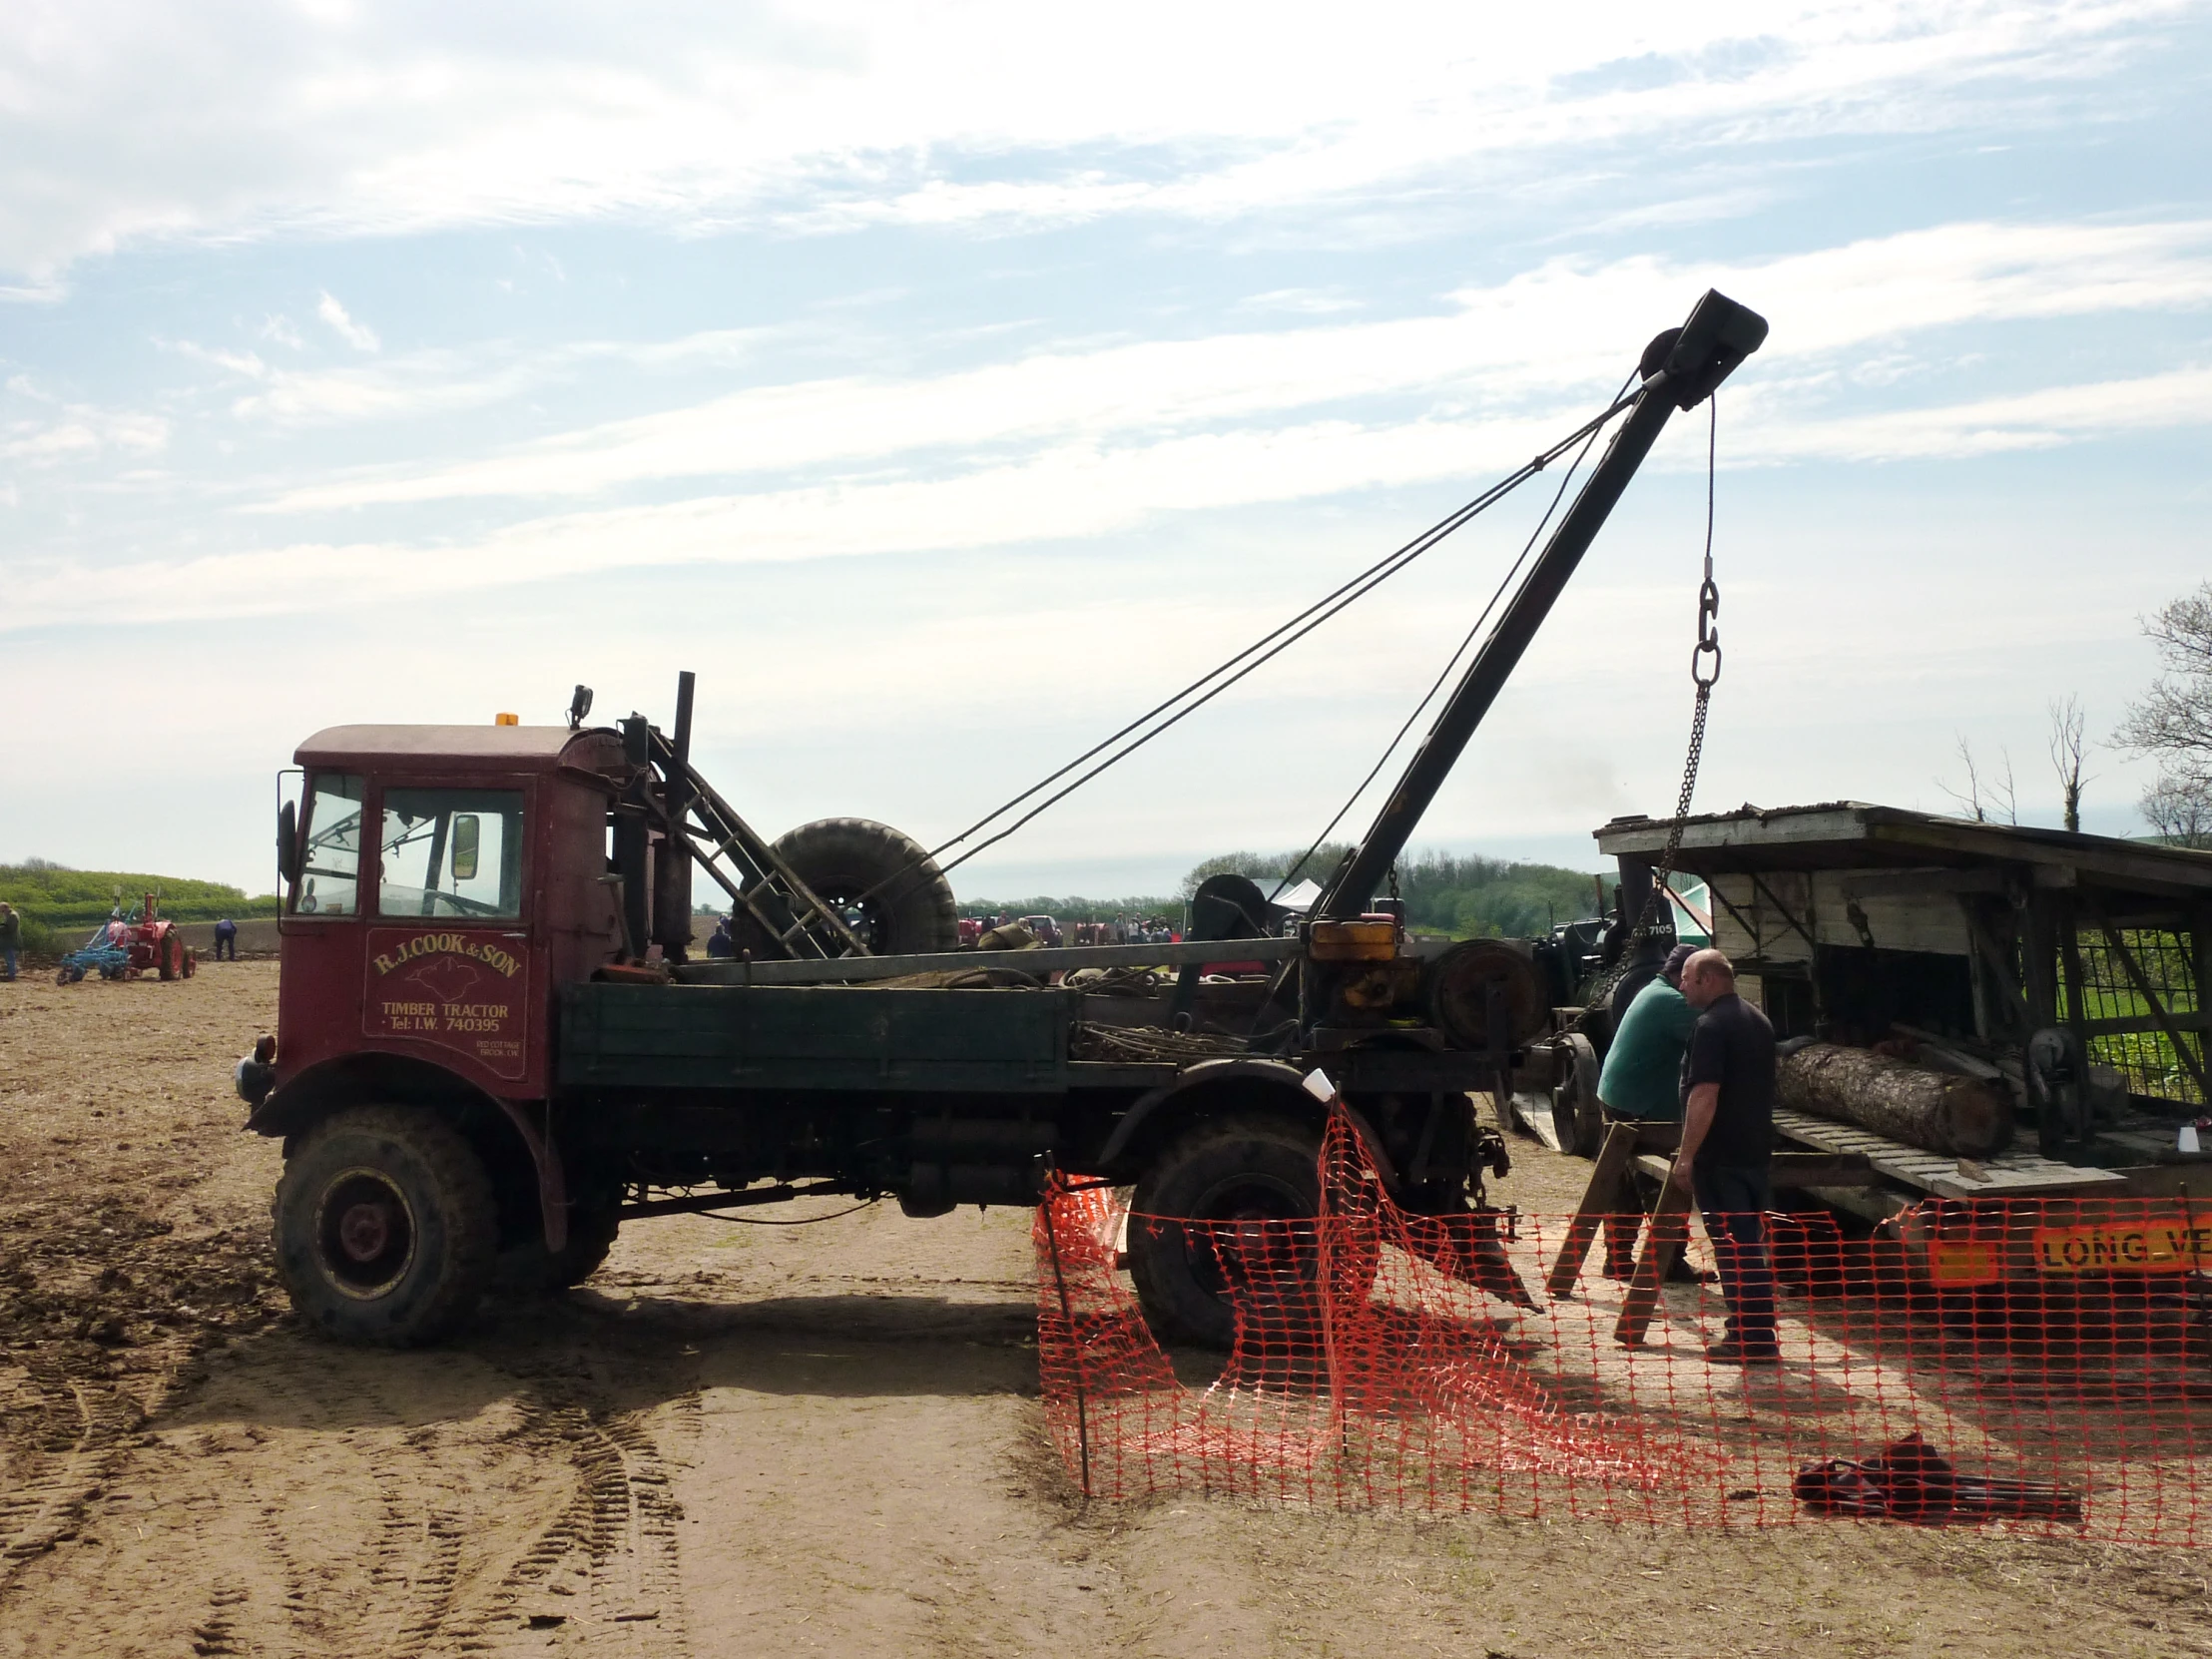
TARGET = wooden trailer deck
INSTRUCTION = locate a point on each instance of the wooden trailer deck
(2016, 1174)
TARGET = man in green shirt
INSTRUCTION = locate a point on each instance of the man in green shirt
(1641, 1082)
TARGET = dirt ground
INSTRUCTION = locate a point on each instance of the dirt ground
(749, 1440)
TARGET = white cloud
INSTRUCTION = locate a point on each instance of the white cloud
(126, 120)
(2040, 420)
(356, 334)
(425, 382)
(1073, 491)
(1531, 342)
(83, 433)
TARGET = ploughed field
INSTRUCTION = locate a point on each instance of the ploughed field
(748, 1441)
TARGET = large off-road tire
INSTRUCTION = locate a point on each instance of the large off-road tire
(844, 861)
(172, 950)
(386, 1227)
(1244, 1169)
(531, 1270)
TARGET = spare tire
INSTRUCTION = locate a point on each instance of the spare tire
(885, 885)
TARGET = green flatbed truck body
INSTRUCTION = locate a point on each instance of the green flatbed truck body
(815, 1038)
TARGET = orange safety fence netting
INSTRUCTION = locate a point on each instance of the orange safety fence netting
(1382, 1358)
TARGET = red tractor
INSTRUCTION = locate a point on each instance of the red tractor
(124, 949)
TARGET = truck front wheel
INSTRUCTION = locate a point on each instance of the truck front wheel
(386, 1228)
(535, 1270)
(1246, 1183)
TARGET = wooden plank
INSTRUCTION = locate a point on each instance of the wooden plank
(1601, 1198)
(1863, 885)
(1750, 928)
(1795, 1170)
(1897, 919)
(2016, 1174)
(1670, 1225)
(2145, 870)
(1792, 826)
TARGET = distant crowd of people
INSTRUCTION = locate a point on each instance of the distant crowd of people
(1047, 931)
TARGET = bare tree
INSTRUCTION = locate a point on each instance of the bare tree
(2068, 721)
(1984, 798)
(2173, 721)
(2180, 809)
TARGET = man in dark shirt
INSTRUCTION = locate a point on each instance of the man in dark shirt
(225, 939)
(1727, 1136)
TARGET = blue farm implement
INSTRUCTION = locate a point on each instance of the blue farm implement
(123, 948)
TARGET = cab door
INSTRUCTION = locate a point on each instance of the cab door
(318, 994)
(449, 970)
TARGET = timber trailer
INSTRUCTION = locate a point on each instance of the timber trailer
(483, 1067)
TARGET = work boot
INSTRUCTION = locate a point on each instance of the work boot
(1730, 1350)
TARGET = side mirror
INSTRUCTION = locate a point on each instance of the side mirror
(467, 834)
(287, 841)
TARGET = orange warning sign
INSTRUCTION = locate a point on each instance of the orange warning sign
(2151, 1244)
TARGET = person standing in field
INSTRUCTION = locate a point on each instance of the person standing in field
(226, 938)
(11, 939)
(722, 942)
(1727, 1140)
(1641, 1083)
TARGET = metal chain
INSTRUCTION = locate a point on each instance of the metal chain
(1703, 676)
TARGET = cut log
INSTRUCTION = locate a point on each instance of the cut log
(1967, 1117)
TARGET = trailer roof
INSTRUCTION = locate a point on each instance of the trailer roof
(1857, 835)
(518, 748)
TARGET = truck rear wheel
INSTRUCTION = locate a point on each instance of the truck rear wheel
(386, 1226)
(844, 861)
(1227, 1173)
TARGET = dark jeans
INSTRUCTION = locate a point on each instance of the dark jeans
(223, 944)
(1734, 1201)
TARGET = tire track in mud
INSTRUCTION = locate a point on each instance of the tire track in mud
(80, 1441)
(606, 1565)
(620, 1532)
(418, 1546)
(423, 1515)
(446, 1546)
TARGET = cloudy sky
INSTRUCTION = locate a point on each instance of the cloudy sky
(944, 383)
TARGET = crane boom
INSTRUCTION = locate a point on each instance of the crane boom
(1680, 369)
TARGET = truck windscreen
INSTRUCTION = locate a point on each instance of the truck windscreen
(451, 853)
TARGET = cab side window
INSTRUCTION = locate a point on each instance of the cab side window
(451, 853)
(331, 840)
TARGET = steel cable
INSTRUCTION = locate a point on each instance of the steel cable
(1451, 663)
(1260, 651)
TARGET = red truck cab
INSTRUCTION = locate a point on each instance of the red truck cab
(449, 878)
(441, 883)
